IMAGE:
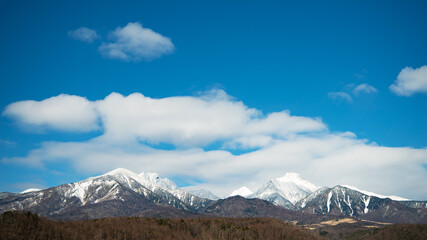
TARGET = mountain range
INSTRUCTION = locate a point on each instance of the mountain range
(122, 192)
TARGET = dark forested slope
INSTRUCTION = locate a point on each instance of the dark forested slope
(26, 225)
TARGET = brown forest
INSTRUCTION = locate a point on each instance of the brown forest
(27, 225)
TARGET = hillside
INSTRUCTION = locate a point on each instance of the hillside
(26, 225)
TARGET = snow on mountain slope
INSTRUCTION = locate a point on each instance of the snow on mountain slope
(338, 200)
(105, 187)
(341, 200)
(243, 191)
(203, 193)
(118, 185)
(291, 188)
(159, 186)
(395, 198)
(153, 181)
(294, 187)
(111, 185)
(123, 192)
(31, 190)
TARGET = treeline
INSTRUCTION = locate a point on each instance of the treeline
(393, 232)
(27, 225)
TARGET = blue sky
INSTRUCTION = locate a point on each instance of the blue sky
(330, 64)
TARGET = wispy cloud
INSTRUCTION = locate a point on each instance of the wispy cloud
(134, 43)
(364, 88)
(410, 81)
(84, 34)
(273, 144)
(350, 90)
(340, 96)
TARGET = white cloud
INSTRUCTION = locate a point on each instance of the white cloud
(193, 121)
(351, 88)
(410, 81)
(274, 144)
(134, 42)
(182, 121)
(177, 120)
(364, 88)
(340, 96)
(84, 34)
(63, 112)
(250, 142)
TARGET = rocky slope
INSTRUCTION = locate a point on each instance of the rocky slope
(124, 193)
(285, 191)
(117, 193)
(342, 201)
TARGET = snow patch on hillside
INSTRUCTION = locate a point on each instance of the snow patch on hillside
(395, 198)
(31, 190)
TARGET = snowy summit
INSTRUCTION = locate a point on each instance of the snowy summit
(292, 187)
(243, 191)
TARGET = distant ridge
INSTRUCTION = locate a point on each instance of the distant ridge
(122, 192)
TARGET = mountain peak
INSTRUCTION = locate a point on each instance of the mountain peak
(290, 176)
(153, 180)
(295, 179)
(149, 176)
(243, 191)
(120, 171)
(292, 187)
(203, 193)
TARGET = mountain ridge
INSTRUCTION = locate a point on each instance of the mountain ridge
(122, 192)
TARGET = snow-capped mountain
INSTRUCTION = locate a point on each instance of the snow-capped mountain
(243, 191)
(203, 193)
(285, 191)
(139, 183)
(273, 194)
(341, 200)
(124, 193)
(119, 185)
